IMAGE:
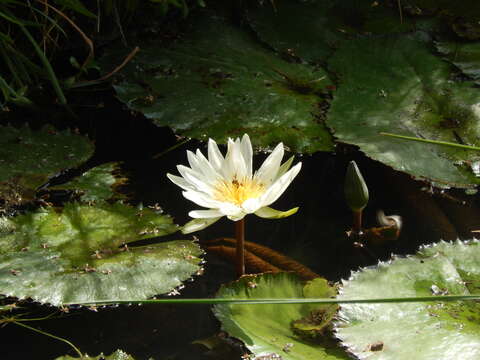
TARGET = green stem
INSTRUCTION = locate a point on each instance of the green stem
(240, 251)
(50, 335)
(357, 222)
(435, 142)
(289, 301)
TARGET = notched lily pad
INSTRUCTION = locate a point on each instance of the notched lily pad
(219, 82)
(96, 184)
(415, 330)
(270, 329)
(117, 355)
(28, 158)
(396, 85)
(82, 254)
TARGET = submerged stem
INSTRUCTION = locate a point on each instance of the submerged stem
(240, 252)
(50, 335)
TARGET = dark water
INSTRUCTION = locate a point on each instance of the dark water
(314, 236)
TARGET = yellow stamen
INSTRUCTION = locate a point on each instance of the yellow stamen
(237, 191)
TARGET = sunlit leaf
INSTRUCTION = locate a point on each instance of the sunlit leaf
(395, 85)
(81, 254)
(28, 158)
(415, 330)
(218, 81)
(95, 184)
(278, 329)
(117, 355)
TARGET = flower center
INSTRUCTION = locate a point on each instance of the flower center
(237, 191)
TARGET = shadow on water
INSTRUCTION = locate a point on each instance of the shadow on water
(315, 236)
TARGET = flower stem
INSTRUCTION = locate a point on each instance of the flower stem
(240, 253)
(357, 222)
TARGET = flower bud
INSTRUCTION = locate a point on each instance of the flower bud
(356, 190)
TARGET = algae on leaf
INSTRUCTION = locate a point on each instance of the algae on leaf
(217, 81)
(285, 330)
(28, 158)
(95, 184)
(440, 331)
(117, 355)
(82, 254)
(395, 85)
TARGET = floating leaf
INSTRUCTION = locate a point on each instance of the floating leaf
(396, 85)
(269, 329)
(117, 355)
(415, 330)
(80, 254)
(95, 184)
(466, 56)
(29, 158)
(226, 87)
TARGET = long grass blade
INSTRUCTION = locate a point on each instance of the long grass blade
(435, 142)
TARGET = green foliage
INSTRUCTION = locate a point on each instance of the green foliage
(293, 331)
(219, 83)
(396, 85)
(28, 158)
(466, 56)
(81, 254)
(415, 330)
(95, 184)
(117, 355)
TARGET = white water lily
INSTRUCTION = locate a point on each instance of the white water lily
(227, 186)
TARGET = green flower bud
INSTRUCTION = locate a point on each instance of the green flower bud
(356, 190)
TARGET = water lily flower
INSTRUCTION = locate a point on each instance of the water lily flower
(227, 186)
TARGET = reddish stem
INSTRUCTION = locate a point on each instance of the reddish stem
(240, 252)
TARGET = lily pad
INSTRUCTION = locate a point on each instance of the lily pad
(415, 330)
(117, 355)
(218, 81)
(396, 85)
(81, 254)
(96, 184)
(271, 328)
(28, 158)
(466, 56)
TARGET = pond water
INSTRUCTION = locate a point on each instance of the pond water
(315, 236)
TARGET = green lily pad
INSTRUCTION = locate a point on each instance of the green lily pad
(275, 329)
(226, 87)
(312, 30)
(117, 355)
(28, 158)
(96, 184)
(81, 254)
(466, 56)
(415, 330)
(396, 85)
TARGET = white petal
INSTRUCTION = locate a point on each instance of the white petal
(201, 199)
(279, 186)
(247, 153)
(205, 214)
(236, 161)
(179, 181)
(228, 169)
(197, 225)
(269, 169)
(237, 217)
(196, 179)
(251, 205)
(269, 213)
(215, 157)
(206, 167)
(229, 209)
